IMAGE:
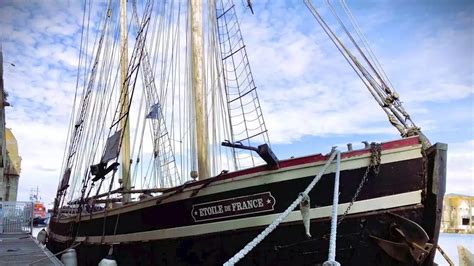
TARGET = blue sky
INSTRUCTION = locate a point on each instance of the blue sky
(310, 97)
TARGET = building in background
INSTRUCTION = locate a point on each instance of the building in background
(458, 214)
(11, 172)
(10, 160)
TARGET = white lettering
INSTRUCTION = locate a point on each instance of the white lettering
(260, 202)
(234, 206)
(211, 210)
(244, 205)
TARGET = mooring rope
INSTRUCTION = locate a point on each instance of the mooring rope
(335, 203)
(252, 244)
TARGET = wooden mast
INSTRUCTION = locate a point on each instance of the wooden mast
(198, 89)
(124, 102)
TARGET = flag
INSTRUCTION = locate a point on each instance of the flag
(154, 111)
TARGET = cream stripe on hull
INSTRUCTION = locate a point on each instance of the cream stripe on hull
(265, 177)
(374, 204)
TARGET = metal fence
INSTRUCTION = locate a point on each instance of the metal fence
(16, 217)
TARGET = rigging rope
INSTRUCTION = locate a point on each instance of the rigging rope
(245, 118)
(164, 67)
(370, 72)
(77, 136)
(365, 42)
(252, 244)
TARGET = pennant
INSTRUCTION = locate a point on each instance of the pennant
(154, 112)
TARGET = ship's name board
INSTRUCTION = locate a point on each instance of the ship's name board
(256, 203)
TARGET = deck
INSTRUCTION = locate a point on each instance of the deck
(22, 249)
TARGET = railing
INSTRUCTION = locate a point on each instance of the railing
(16, 217)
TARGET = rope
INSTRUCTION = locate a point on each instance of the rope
(368, 69)
(374, 165)
(252, 244)
(335, 202)
(446, 257)
(375, 161)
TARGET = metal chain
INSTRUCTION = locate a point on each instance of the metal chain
(259, 238)
(375, 159)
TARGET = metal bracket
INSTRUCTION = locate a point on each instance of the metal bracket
(264, 151)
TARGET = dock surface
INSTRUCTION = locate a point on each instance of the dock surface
(22, 249)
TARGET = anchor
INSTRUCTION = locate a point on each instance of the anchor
(410, 241)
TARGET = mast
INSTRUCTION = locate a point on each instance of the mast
(124, 102)
(198, 89)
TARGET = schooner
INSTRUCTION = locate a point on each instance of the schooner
(168, 159)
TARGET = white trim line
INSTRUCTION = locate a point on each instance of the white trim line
(265, 177)
(375, 204)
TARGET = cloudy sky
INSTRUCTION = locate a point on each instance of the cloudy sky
(311, 98)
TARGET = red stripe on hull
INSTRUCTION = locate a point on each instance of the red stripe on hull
(390, 145)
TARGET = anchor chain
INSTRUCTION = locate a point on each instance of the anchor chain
(375, 159)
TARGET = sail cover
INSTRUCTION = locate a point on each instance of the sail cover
(112, 147)
(65, 180)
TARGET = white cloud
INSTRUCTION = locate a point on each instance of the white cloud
(306, 88)
(40, 85)
(300, 73)
(438, 69)
(460, 172)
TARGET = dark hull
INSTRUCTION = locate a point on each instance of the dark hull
(287, 244)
